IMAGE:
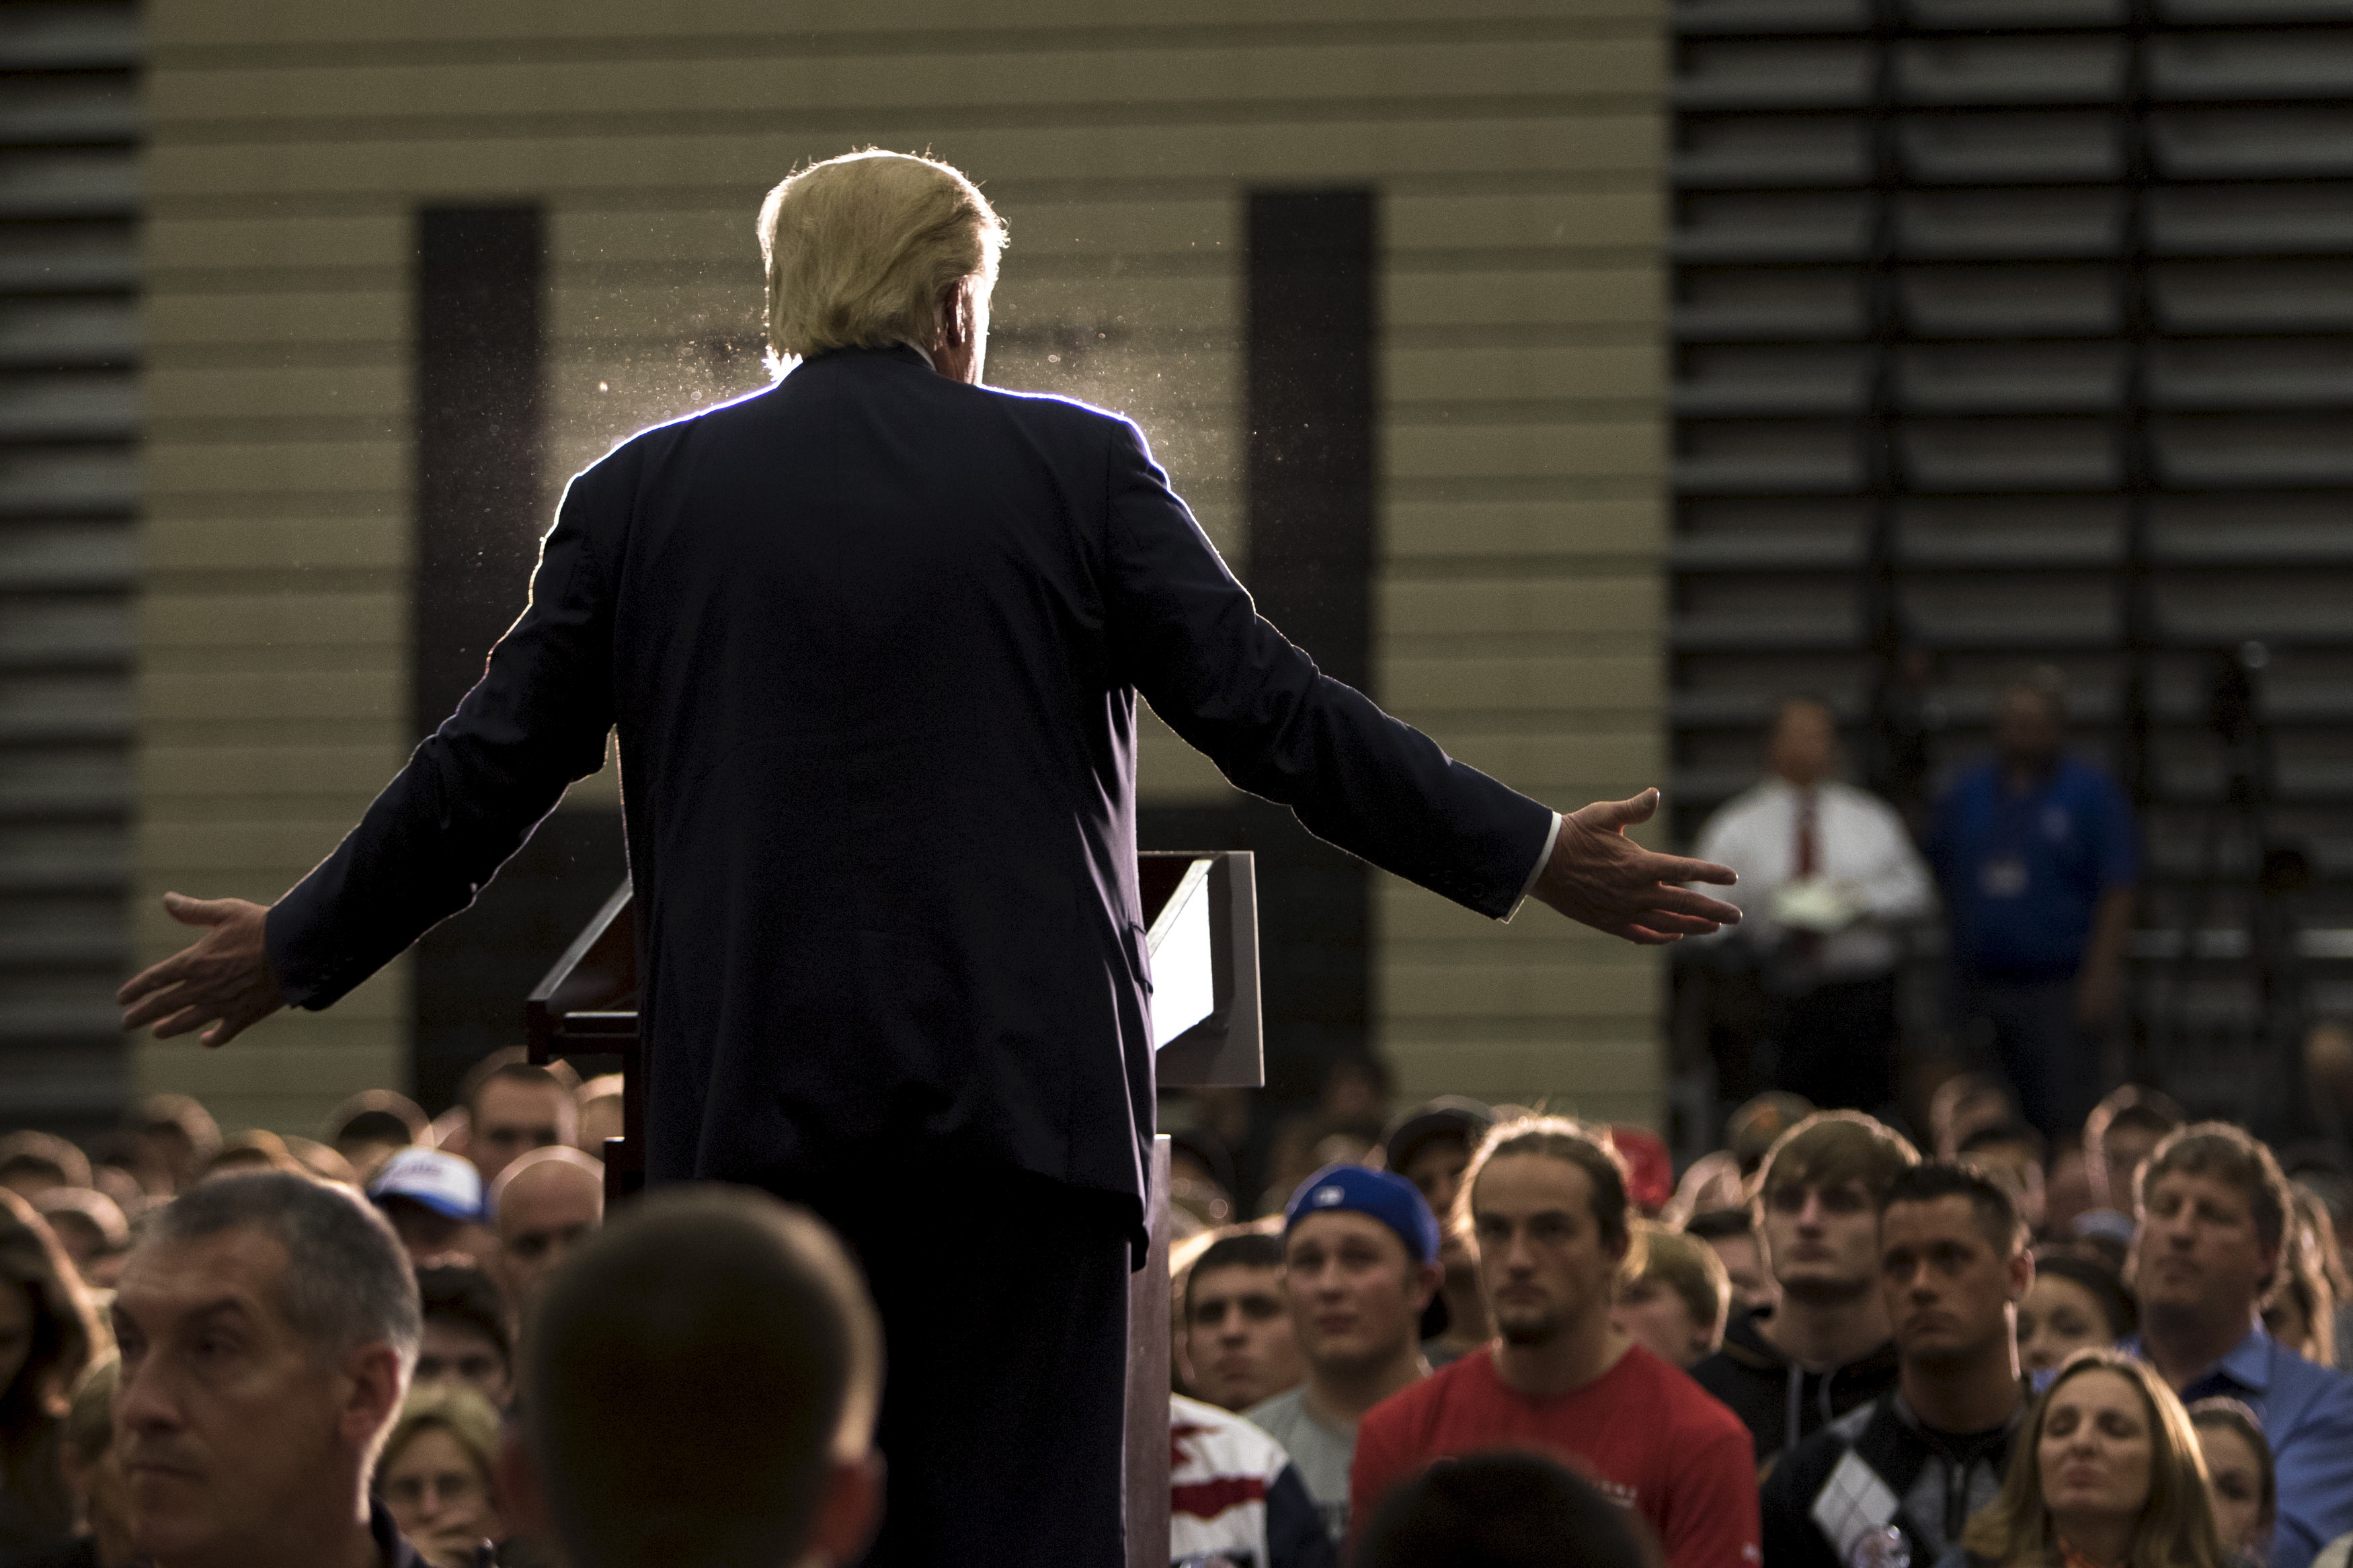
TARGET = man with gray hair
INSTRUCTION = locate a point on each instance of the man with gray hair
(268, 1325)
(872, 640)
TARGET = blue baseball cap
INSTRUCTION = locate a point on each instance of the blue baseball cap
(1383, 1194)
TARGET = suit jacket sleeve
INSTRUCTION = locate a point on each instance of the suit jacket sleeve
(477, 785)
(1187, 636)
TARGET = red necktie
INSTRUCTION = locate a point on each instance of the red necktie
(1806, 945)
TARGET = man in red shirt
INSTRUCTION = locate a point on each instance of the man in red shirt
(1548, 1217)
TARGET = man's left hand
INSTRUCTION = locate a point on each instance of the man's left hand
(223, 980)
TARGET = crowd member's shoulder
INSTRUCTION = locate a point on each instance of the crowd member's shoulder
(1279, 1415)
(1800, 1471)
(1746, 1353)
(1689, 1411)
(1225, 1442)
(1417, 1404)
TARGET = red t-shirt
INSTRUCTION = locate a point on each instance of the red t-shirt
(1647, 1434)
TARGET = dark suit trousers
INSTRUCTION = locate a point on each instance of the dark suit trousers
(1004, 1305)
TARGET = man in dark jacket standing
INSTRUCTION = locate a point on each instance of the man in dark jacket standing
(1825, 1348)
(872, 640)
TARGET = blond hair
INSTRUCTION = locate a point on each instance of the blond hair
(1691, 1268)
(2176, 1528)
(859, 250)
(451, 1407)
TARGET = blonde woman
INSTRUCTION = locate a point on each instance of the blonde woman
(436, 1475)
(2107, 1475)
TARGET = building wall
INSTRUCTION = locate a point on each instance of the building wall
(1517, 148)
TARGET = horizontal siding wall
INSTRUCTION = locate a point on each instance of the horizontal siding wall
(1516, 150)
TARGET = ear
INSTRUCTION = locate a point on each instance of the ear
(956, 313)
(374, 1389)
(2021, 1275)
(849, 1510)
(1426, 1281)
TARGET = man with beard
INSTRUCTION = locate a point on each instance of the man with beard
(1549, 1228)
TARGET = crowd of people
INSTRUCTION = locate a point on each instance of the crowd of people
(1493, 1336)
(2035, 1331)
(1820, 1349)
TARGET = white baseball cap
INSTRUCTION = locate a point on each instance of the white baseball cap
(445, 1183)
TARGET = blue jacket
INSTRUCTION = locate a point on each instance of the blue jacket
(872, 639)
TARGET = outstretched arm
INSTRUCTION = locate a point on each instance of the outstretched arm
(223, 980)
(1190, 638)
(469, 797)
(1598, 875)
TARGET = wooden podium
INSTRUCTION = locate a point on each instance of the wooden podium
(1200, 911)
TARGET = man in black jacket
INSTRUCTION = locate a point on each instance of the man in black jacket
(1918, 1461)
(1825, 1348)
(872, 640)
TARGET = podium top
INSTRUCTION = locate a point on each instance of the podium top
(1200, 911)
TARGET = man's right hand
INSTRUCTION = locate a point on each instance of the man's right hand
(223, 980)
(1598, 875)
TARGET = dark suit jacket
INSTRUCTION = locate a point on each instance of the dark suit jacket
(872, 638)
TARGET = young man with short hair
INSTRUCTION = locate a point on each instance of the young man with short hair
(2215, 1211)
(1824, 1350)
(1674, 1307)
(1920, 1459)
(268, 1324)
(1360, 1265)
(1551, 1229)
(1239, 1344)
(514, 1107)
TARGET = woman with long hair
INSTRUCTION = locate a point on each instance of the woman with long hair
(48, 1337)
(2106, 1475)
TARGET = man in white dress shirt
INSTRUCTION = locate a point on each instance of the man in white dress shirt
(1828, 877)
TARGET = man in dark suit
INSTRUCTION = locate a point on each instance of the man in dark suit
(872, 640)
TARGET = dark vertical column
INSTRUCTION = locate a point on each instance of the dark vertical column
(1309, 457)
(481, 417)
(479, 437)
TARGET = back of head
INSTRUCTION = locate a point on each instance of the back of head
(347, 1281)
(690, 1375)
(1500, 1510)
(2131, 1106)
(1831, 1148)
(860, 248)
(44, 1156)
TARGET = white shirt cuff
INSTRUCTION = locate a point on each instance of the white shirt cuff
(1543, 857)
